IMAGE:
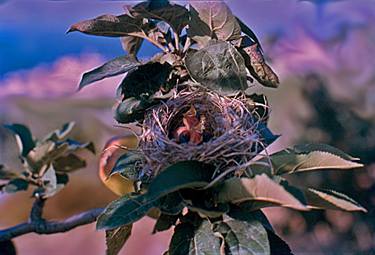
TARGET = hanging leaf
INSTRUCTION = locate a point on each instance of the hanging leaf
(24, 138)
(6, 174)
(131, 44)
(247, 31)
(260, 189)
(125, 210)
(175, 15)
(217, 17)
(185, 174)
(219, 67)
(257, 66)
(116, 239)
(68, 163)
(243, 237)
(7, 247)
(109, 25)
(127, 164)
(188, 239)
(303, 158)
(277, 245)
(329, 199)
(113, 67)
(165, 222)
(15, 185)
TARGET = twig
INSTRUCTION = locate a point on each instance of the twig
(36, 223)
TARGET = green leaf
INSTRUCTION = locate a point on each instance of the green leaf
(6, 174)
(109, 25)
(277, 245)
(202, 202)
(218, 66)
(146, 80)
(242, 213)
(247, 31)
(309, 147)
(185, 174)
(329, 199)
(257, 66)
(60, 134)
(205, 211)
(217, 17)
(243, 237)
(24, 138)
(199, 31)
(175, 15)
(43, 154)
(50, 184)
(125, 210)
(304, 158)
(15, 185)
(113, 67)
(262, 190)
(7, 247)
(62, 178)
(131, 44)
(126, 165)
(68, 163)
(165, 222)
(200, 240)
(130, 110)
(76, 146)
(116, 239)
(171, 204)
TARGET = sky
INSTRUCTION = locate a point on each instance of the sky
(32, 32)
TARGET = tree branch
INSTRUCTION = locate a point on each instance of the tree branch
(36, 224)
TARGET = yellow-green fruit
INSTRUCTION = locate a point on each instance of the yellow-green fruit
(111, 153)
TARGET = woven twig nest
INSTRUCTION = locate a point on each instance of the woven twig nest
(201, 125)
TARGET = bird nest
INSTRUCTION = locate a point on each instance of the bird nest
(203, 126)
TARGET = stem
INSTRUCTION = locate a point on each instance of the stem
(187, 45)
(36, 223)
(144, 36)
(176, 41)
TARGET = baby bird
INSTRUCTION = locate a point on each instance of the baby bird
(192, 129)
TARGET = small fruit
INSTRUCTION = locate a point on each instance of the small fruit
(114, 148)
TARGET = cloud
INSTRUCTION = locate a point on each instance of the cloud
(58, 80)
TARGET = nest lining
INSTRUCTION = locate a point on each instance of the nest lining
(231, 123)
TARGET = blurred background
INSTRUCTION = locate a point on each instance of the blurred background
(323, 51)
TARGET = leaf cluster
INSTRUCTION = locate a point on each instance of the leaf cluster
(202, 43)
(47, 161)
(222, 215)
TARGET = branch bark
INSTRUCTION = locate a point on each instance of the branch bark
(36, 223)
